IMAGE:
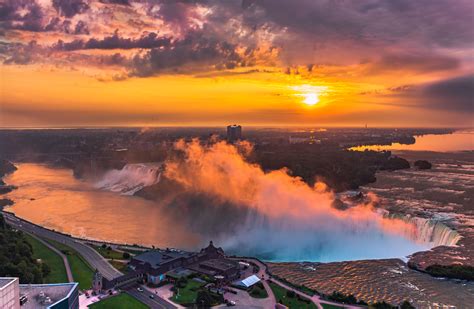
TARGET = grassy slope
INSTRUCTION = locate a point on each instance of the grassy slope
(81, 271)
(120, 266)
(293, 302)
(108, 254)
(122, 301)
(55, 262)
(327, 306)
(258, 291)
(186, 295)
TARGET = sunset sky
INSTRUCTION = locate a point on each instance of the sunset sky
(255, 62)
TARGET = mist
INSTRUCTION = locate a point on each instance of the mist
(213, 192)
(130, 179)
(278, 217)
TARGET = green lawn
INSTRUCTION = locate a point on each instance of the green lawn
(258, 291)
(52, 259)
(327, 306)
(290, 302)
(108, 254)
(121, 301)
(120, 266)
(188, 294)
(81, 271)
(132, 251)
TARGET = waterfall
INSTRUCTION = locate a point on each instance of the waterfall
(131, 178)
(432, 232)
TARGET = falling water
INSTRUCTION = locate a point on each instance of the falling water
(131, 178)
(434, 232)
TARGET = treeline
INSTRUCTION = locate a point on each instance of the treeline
(16, 256)
(338, 168)
(463, 272)
(352, 300)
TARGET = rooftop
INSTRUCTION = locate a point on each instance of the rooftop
(6, 281)
(219, 264)
(249, 281)
(157, 258)
(38, 293)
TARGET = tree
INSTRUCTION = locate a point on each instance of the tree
(126, 255)
(16, 256)
(45, 269)
(406, 305)
(204, 299)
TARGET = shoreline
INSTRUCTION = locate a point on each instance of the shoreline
(407, 260)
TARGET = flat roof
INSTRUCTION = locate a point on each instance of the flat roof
(220, 264)
(157, 258)
(56, 292)
(249, 281)
(4, 281)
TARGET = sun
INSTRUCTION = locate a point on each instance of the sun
(310, 94)
(310, 99)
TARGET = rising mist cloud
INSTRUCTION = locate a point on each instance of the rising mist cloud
(285, 218)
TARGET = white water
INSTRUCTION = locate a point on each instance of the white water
(432, 232)
(130, 179)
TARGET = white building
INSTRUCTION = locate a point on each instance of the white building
(9, 293)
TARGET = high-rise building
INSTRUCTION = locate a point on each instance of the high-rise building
(31, 296)
(234, 133)
(9, 293)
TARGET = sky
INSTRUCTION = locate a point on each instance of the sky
(384, 63)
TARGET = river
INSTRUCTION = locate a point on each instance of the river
(457, 141)
(53, 198)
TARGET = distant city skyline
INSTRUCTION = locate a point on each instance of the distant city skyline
(385, 63)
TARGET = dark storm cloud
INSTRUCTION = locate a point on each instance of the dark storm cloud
(69, 8)
(435, 22)
(421, 62)
(456, 94)
(388, 35)
(119, 2)
(150, 40)
(21, 15)
(194, 49)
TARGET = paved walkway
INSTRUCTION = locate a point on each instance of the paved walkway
(62, 255)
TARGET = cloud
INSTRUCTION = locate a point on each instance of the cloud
(273, 206)
(149, 40)
(69, 8)
(414, 62)
(21, 14)
(195, 49)
(119, 2)
(456, 94)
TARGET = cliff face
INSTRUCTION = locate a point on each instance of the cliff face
(6, 167)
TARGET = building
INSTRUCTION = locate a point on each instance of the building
(248, 282)
(234, 133)
(97, 282)
(9, 293)
(155, 264)
(34, 296)
(225, 268)
(50, 296)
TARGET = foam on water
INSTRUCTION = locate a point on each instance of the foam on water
(131, 178)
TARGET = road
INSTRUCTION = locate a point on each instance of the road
(144, 297)
(95, 260)
(64, 257)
